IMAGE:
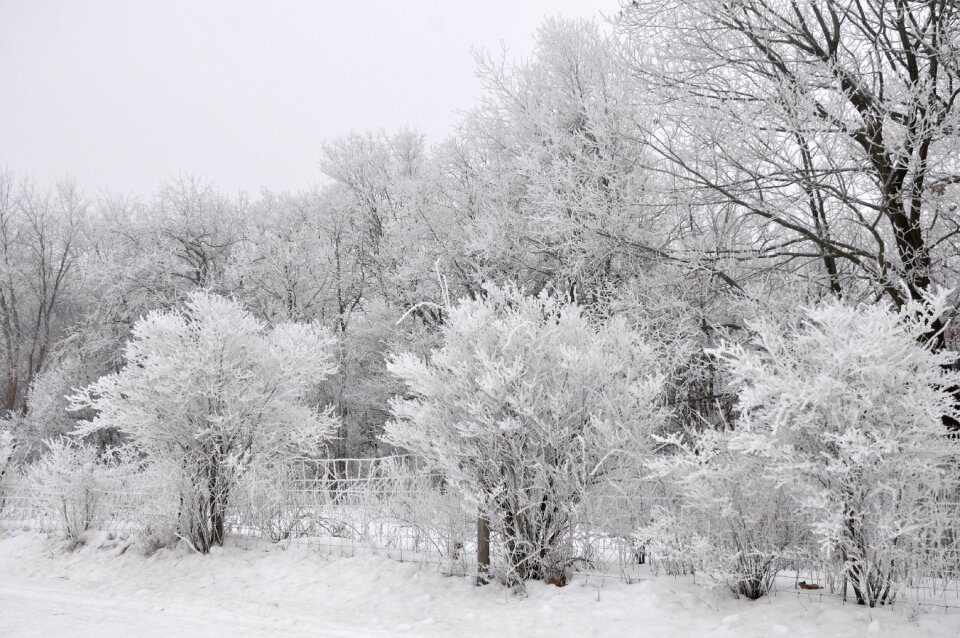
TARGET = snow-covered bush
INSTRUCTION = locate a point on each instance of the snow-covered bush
(737, 523)
(70, 477)
(209, 390)
(7, 448)
(671, 541)
(275, 503)
(432, 516)
(846, 411)
(152, 493)
(527, 404)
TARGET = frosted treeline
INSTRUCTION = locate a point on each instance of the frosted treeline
(691, 269)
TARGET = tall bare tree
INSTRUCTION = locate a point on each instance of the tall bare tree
(40, 239)
(825, 132)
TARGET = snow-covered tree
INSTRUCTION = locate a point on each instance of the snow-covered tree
(526, 405)
(212, 389)
(546, 171)
(826, 130)
(845, 407)
(41, 239)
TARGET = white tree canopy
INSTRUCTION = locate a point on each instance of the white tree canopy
(527, 405)
(213, 380)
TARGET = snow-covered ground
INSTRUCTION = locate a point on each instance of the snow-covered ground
(105, 590)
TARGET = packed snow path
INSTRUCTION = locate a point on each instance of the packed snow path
(99, 591)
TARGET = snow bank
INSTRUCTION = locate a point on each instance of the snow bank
(107, 588)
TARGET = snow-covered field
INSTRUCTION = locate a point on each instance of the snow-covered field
(107, 588)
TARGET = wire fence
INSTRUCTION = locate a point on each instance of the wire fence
(391, 506)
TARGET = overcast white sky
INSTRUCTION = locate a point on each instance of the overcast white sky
(121, 93)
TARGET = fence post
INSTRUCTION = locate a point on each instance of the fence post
(483, 549)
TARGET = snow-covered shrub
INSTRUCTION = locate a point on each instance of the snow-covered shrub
(7, 448)
(273, 500)
(71, 478)
(209, 390)
(672, 541)
(144, 497)
(846, 411)
(740, 522)
(527, 404)
(434, 516)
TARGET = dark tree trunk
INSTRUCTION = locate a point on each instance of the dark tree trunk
(483, 550)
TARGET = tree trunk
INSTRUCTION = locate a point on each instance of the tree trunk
(483, 549)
